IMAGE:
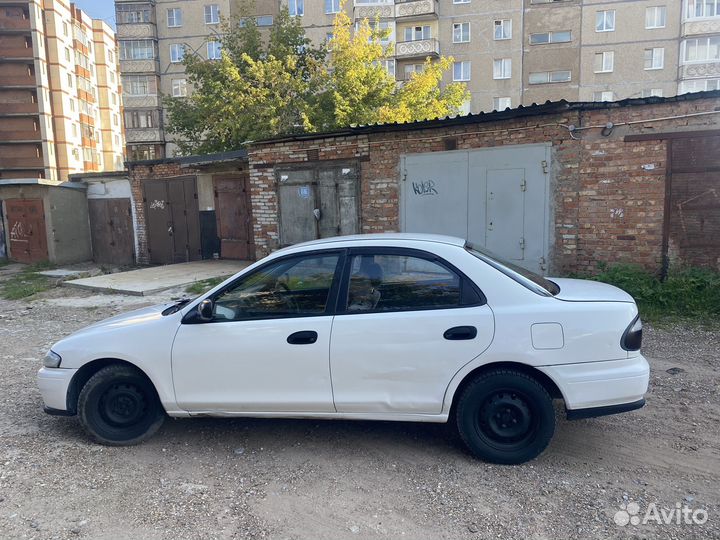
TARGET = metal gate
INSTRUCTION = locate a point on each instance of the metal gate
(692, 223)
(234, 217)
(317, 202)
(497, 198)
(111, 230)
(172, 220)
(27, 236)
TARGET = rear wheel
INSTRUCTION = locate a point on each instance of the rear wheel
(118, 406)
(505, 416)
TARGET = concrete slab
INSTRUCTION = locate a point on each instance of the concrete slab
(147, 281)
(61, 273)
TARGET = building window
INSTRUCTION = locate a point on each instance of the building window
(140, 119)
(137, 49)
(604, 62)
(296, 7)
(502, 68)
(701, 50)
(174, 17)
(65, 29)
(652, 92)
(214, 50)
(603, 96)
(111, 58)
(177, 52)
(502, 29)
(179, 87)
(701, 9)
(140, 152)
(417, 33)
(72, 105)
(332, 6)
(67, 55)
(655, 17)
(654, 58)
(699, 85)
(389, 66)
(605, 21)
(212, 14)
(461, 32)
(461, 71)
(139, 85)
(70, 80)
(542, 77)
(410, 69)
(563, 36)
(132, 13)
(114, 98)
(502, 103)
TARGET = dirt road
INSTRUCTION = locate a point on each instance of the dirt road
(331, 480)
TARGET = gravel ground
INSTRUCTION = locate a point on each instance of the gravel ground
(208, 478)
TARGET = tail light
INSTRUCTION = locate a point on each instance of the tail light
(632, 338)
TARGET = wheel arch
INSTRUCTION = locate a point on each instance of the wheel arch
(453, 393)
(82, 376)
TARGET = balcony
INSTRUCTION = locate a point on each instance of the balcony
(139, 66)
(699, 27)
(421, 48)
(16, 53)
(17, 81)
(416, 9)
(140, 102)
(30, 162)
(14, 24)
(700, 70)
(374, 11)
(19, 136)
(143, 135)
(136, 31)
(19, 109)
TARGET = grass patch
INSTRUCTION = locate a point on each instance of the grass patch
(686, 294)
(24, 284)
(200, 287)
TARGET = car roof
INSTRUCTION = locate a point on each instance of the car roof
(373, 239)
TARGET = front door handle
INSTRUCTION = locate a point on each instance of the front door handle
(304, 337)
(457, 333)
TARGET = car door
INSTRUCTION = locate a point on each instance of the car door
(407, 322)
(266, 348)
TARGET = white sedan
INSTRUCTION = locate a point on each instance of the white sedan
(401, 327)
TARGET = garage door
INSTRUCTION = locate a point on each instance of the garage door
(27, 237)
(497, 198)
(111, 230)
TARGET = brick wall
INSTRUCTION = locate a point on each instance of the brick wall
(607, 195)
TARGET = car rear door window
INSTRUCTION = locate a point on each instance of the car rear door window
(294, 287)
(388, 282)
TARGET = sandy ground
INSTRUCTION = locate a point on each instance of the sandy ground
(205, 478)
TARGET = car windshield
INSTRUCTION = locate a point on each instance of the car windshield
(531, 280)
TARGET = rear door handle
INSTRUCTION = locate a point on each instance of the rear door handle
(304, 337)
(457, 333)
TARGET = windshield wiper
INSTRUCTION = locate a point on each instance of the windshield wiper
(177, 306)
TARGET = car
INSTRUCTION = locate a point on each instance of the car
(402, 327)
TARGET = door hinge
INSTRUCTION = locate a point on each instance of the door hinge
(404, 175)
(544, 166)
(522, 243)
(523, 185)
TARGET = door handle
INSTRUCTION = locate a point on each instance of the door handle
(457, 333)
(304, 337)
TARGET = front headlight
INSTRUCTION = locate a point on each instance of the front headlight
(52, 360)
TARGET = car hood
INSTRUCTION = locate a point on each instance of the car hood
(131, 318)
(583, 290)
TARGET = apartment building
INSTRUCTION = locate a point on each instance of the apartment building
(510, 53)
(60, 108)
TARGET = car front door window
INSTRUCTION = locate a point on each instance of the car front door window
(296, 287)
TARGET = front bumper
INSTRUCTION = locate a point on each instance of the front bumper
(617, 385)
(53, 384)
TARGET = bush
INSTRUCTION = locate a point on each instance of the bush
(687, 292)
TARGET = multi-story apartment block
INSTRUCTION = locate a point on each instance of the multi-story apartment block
(60, 109)
(510, 53)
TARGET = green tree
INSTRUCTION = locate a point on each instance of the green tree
(284, 84)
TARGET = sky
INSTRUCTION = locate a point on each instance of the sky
(98, 9)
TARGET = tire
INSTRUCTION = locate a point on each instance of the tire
(505, 416)
(118, 406)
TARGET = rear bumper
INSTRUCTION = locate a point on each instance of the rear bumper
(614, 385)
(593, 412)
(53, 384)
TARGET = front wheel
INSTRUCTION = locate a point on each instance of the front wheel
(505, 416)
(118, 406)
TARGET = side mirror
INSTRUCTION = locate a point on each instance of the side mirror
(206, 310)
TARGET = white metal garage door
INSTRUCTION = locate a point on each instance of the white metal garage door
(496, 198)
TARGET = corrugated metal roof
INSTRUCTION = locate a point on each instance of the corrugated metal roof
(204, 159)
(549, 107)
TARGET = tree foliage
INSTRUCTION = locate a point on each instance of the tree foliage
(282, 83)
